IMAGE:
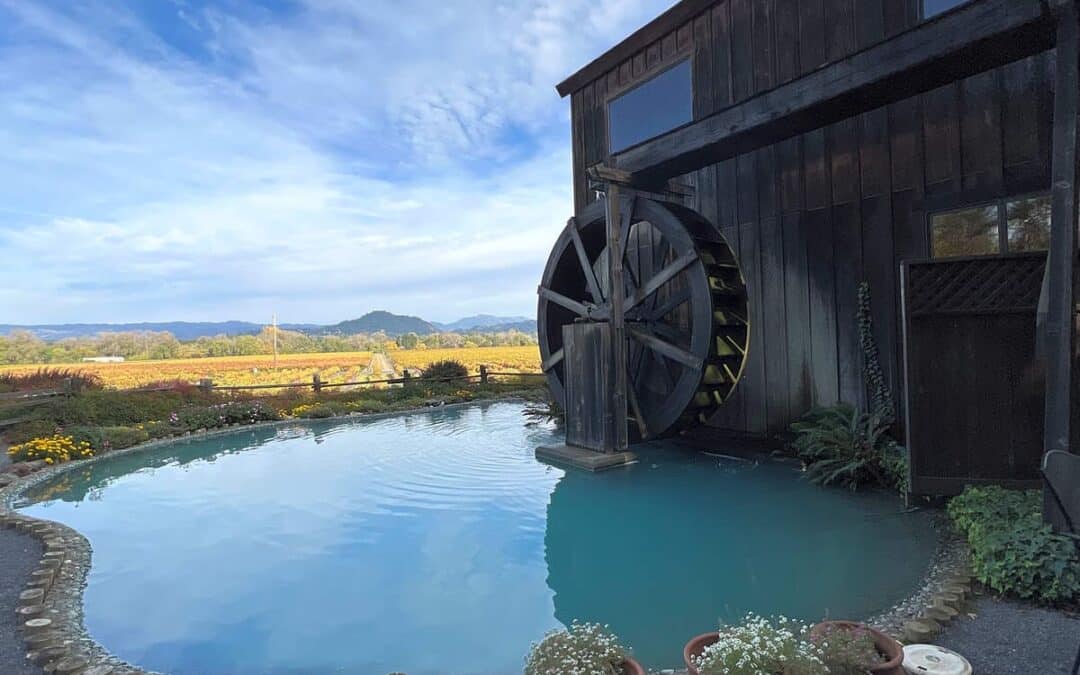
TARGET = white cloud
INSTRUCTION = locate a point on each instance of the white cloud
(322, 162)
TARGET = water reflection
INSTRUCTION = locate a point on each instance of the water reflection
(435, 543)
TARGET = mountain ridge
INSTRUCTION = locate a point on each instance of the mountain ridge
(371, 322)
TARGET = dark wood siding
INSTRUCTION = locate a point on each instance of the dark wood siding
(813, 216)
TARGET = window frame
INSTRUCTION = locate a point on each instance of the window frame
(1002, 205)
(685, 55)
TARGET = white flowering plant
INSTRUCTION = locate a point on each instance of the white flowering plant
(581, 649)
(762, 646)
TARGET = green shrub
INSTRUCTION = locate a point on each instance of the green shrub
(115, 408)
(1013, 551)
(445, 369)
(581, 648)
(845, 446)
(30, 430)
(103, 439)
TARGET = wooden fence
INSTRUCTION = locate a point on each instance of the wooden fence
(13, 400)
(974, 393)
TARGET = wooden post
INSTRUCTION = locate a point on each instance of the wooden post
(1059, 327)
(206, 384)
(316, 383)
(618, 319)
(483, 374)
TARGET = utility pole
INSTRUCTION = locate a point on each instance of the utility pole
(273, 322)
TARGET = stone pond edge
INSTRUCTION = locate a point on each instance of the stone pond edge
(51, 606)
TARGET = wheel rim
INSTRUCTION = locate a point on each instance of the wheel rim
(685, 307)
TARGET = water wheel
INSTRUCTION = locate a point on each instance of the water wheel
(685, 306)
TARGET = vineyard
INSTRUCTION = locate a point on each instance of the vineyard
(523, 359)
(297, 368)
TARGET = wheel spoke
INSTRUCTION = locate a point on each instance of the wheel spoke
(677, 354)
(583, 259)
(665, 330)
(662, 366)
(553, 360)
(635, 406)
(563, 301)
(662, 277)
(674, 300)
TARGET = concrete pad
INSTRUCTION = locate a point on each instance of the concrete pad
(583, 458)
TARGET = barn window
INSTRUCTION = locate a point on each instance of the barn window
(653, 107)
(1005, 226)
(934, 7)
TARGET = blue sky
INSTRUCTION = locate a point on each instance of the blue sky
(225, 159)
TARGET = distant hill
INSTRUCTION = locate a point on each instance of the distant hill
(523, 325)
(183, 330)
(379, 320)
(372, 322)
(481, 321)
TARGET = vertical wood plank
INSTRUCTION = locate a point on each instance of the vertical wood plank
(870, 21)
(1026, 121)
(797, 315)
(577, 125)
(787, 40)
(847, 230)
(774, 324)
(839, 28)
(742, 58)
(980, 132)
(721, 37)
(812, 50)
(821, 278)
(652, 55)
(703, 67)
(789, 161)
(668, 47)
(763, 47)
(941, 139)
(753, 393)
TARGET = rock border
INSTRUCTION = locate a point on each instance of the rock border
(50, 609)
(939, 597)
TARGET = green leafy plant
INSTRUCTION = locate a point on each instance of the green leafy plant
(581, 648)
(848, 651)
(844, 446)
(1013, 551)
(881, 399)
(762, 646)
(445, 369)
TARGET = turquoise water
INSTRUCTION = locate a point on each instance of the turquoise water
(435, 543)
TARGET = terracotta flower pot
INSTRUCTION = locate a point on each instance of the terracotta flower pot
(889, 648)
(632, 667)
(693, 649)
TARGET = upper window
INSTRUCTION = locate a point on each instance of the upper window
(1006, 226)
(934, 7)
(653, 107)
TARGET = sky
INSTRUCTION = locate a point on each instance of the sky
(228, 159)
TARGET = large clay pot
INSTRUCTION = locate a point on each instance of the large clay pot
(889, 647)
(632, 667)
(694, 647)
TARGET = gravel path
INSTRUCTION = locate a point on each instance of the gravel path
(1013, 638)
(20, 554)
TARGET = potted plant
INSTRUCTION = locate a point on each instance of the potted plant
(581, 648)
(851, 648)
(755, 646)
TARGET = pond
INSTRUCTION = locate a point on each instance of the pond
(434, 542)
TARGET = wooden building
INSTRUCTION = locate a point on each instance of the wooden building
(897, 142)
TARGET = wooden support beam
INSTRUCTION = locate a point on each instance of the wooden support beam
(975, 38)
(606, 175)
(618, 319)
(1059, 326)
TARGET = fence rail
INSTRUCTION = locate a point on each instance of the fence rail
(18, 399)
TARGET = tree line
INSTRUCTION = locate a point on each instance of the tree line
(22, 346)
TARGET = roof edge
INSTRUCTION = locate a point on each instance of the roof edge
(670, 20)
